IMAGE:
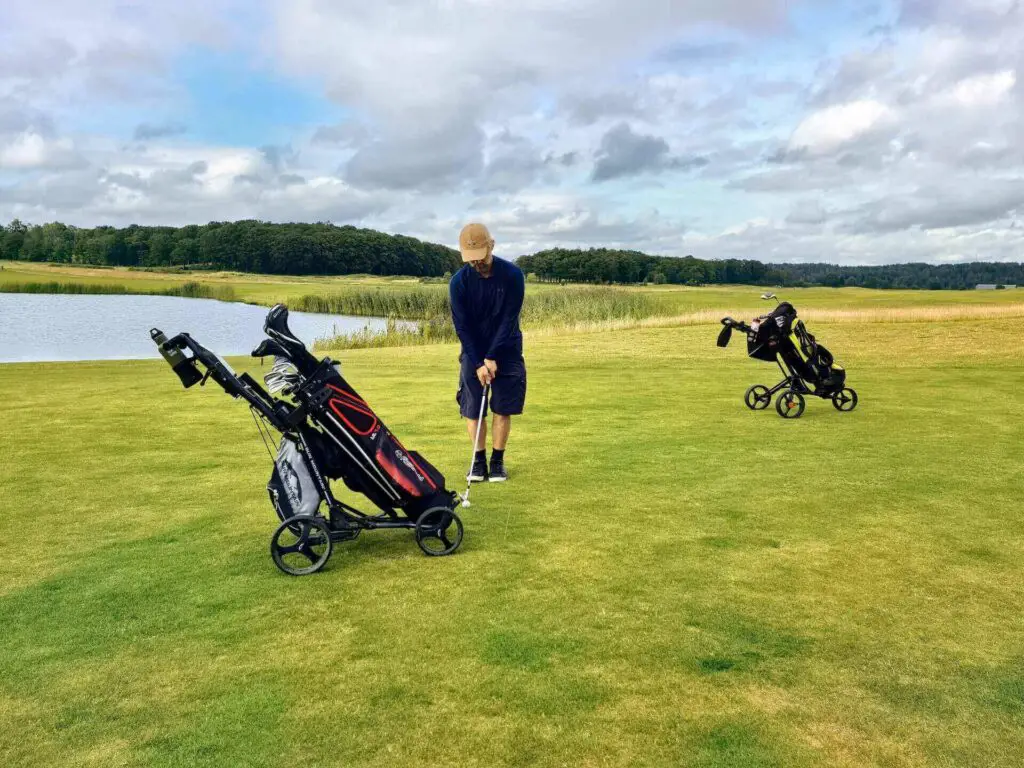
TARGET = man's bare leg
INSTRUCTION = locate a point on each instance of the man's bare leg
(500, 429)
(471, 427)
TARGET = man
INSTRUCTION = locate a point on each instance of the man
(486, 298)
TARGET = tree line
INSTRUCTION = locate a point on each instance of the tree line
(603, 265)
(241, 246)
(327, 249)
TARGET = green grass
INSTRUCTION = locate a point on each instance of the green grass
(667, 580)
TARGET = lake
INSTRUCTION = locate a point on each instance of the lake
(59, 327)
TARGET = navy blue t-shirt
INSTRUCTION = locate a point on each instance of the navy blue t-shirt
(485, 312)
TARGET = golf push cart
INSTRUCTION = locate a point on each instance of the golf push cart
(327, 432)
(807, 367)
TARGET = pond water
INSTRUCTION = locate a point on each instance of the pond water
(59, 327)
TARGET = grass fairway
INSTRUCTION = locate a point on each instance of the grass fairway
(668, 580)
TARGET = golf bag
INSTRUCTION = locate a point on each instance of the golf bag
(807, 367)
(328, 432)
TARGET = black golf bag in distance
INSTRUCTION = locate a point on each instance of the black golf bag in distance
(328, 432)
(807, 367)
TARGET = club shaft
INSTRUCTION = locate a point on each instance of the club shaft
(476, 440)
(479, 423)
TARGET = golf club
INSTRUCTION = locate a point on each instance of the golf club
(476, 441)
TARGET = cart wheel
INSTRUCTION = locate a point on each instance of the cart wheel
(438, 531)
(301, 545)
(790, 405)
(845, 400)
(758, 397)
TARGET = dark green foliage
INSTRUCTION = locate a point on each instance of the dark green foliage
(601, 265)
(243, 246)
(326, 249)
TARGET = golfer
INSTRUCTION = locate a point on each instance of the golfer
(486, 298)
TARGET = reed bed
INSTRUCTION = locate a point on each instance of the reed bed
(437, 330)
(567, 308)
(189, 290)
(63, 288)
(197, 290)
(413, 303)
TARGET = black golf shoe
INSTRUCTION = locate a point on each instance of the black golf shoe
(498, 473)
(478, 474)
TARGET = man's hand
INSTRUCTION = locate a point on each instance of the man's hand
(483, 373)
(491, 366)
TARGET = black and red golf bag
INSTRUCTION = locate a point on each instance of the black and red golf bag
(328, 432)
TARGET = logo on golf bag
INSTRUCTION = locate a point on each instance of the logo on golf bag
(408, 462)
(290, 481)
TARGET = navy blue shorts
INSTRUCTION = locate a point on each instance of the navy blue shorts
(508, 391)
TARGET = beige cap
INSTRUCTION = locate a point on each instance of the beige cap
(475, 242)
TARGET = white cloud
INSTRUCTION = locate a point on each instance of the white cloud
(32, 151)
(900, 145)
(984, 90)
(26, 151)
(406, 57)
(828, 129)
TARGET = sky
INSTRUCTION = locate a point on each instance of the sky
(848, 132)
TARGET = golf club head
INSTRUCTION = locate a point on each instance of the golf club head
(466, 504)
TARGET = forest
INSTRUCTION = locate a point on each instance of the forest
(602, 265)
(328, 249)
(241, 246)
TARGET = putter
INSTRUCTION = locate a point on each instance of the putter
(476, 440)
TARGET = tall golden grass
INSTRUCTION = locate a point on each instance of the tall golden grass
(570, 307)
(442, 332)
(191, 289)
(880, 315)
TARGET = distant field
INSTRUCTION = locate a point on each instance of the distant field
(255, 289)
(680, 299)
(667, 300)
